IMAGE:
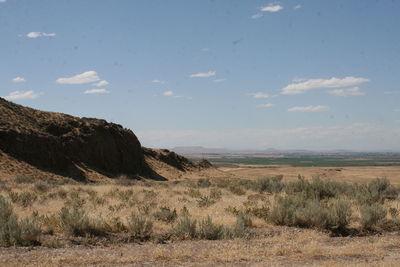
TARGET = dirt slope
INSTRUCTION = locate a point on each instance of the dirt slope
(82, 148)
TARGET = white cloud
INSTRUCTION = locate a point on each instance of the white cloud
(307, 85)
(219, 80)
(205, 49)
(354, 91)
(17, 95)
(86, 77)
(168, 93)
(158, 81)
(203, 74)
(102, 83)
(19, 80)
(272, 8)
(257, 16)
(96, 91)
(297, 7)
(259, 95)
(40, 34)
(267, 105)
(309, 109)
(3, 1)
(396, 110)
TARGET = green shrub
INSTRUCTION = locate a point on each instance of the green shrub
(23, 180)
(316, 189)
(243, 226)
(203, 183)
(13, 232)
(77, 223)
(215, 193)
(165, 214)
(185, 228)
(270, 185)
(236, 189)
(24, 199)
(208, 230)
(205, 201)
(284, 209)
(371, 215)
(140, 227)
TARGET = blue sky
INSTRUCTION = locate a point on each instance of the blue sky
(238, 74)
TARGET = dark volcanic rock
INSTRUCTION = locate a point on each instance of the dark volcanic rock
(65, 144)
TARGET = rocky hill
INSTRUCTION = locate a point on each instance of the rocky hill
(75, 147)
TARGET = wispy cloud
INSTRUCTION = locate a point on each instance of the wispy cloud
(203, 74)
(309, 109)
(259, 95)
(39, 34)
(354, 91)
(3, 1)
(266, 105)
(219, 80)
(205, 49)
(102, 83)
(257, 16)
(86, 77)
(96, 91)
(271, 8)
(311, 84)
(297, 6)
(17, 95)
(396, 110)
(168, 93)
(158, 81)
(18, 80)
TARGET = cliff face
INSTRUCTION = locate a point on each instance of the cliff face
(65, 144)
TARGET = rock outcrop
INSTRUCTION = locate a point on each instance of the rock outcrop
(65, 144)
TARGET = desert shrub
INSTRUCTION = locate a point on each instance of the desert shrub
(203, 183)
(24, 199)
(242, 228)
(215, 193)
(140, 227)
(394, 213)
(12, 232)
(205, 201)
(236, 189)
(124, 180)
(194, 193)
(378, 190)
(371, 215)
(165, 214)
(316, 189)
(297, 210)
(30, 232)
(310, 215)
(340, 213)
(41, 187)
(259, 212)
(269, 185)
(208, 230)
(284, 208)
(77, 223)
(185, 228)
(23, 180)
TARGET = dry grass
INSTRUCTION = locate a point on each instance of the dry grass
(109, 207)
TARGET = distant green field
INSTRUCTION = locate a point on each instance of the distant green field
(317, 161)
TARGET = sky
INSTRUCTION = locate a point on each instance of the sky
(306, 74)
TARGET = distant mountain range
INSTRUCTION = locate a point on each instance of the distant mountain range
(199, 150)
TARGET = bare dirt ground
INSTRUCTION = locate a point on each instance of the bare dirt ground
(284, 247)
